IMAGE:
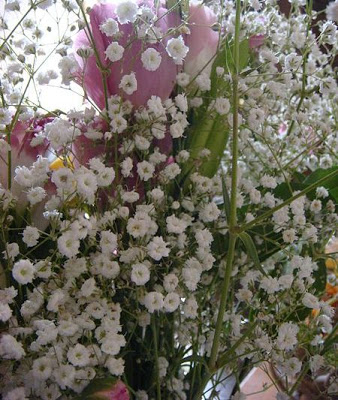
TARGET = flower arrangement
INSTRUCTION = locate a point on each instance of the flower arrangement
(171, 231)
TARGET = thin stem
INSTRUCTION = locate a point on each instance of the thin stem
(233, 199)
(158, 383)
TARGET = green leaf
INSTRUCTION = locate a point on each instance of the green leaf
(216, 143)
(330, 184)
(252, 251)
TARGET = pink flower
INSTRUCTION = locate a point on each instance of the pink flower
(22, 153)
(256, 41)
(117, 392)
(202, 40)
(159, 82)
(105, 389)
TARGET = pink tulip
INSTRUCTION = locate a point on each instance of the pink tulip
(256, 41)
(202, 40)
(22, 153)
(159, 82)
(105, 389)
(117, 392)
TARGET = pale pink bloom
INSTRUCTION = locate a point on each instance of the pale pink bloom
(159, 83)
(256, 41)
(202, 40)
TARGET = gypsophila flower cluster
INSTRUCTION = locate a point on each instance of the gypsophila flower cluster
(172, 227)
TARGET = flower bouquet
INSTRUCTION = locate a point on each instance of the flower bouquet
(168, 233)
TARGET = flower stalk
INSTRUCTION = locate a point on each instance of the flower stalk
(233, 210)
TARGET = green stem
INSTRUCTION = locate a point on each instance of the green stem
(233, 209)
(158, 383)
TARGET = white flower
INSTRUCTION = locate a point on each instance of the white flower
(130, 197)
(190, 308)
(12, 250)
(35, 195)
(17, 393)
(68, 245)
(203, 237)
(78, 355)
(322, 192)
(157, 248)
(5, 312)
(292, 62)
(181, 102)
(108, 242)
(64, 178)
(118, 123)
(244, 295)
(112, 343)
(10, 348)
(155, 106)
(157, 194)
(128, 83)
(175, 225)
(268, 181)
(287, 336)
(126, 11)
(289, 235)
(191, 277)
(203, 82)
(310, 301)
(23, 272)
(316, 362)
(269, 284)
(316, 206)
(140, 274)
(126, 167)
(67, 328)
(177, 49)
(170, 282)
(222, 105)
(23, 176)
(145, 170)
(109, 27)
(141, 143)
(292, 366)
(137, 228)
(86, 184)
(30, 236)
(171, 171)
(176, 130)
(209, 212)
(88, 287)
(114, 52)
(115, 366)
(42, 368)
(171, 302)
(141, 395)
(153, 301)
(332, 11)
(151, 59)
